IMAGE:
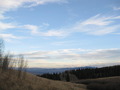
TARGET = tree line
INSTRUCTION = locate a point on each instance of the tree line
(85, 73)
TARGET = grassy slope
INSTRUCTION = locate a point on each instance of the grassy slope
(32, 82)
(108, 83)
(102, 80)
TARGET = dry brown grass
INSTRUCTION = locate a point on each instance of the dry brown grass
(32, 82)
(109, 83)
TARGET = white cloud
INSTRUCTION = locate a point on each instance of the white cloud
(98, 25)
(116, 8)
(104, 54)
(2, 17)
(38, 30)
(97, 20)
(33, 28)
(73, 57)
(9, 37)
(76, 54)
(57, 33)
(117, 33)
(104, 30)
(100, 20)
(7, 5)
(117, 17)
(4, 26)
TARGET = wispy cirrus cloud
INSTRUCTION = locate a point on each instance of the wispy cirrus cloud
(7, 5)
(99, 25)
(10, 37)
(96, 25)
(10, 5)
(98, 20)
(33, 28)
(4, 26)
(37, 30)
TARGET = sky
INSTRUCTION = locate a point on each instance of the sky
(62, 33)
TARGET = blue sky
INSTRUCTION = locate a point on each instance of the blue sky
(62, 33)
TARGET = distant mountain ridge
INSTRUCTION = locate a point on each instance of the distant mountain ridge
(53, 70)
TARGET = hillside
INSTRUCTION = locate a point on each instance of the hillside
(13, 76)
(107, 83)
(9, 81)
(105, 78)
(84, 73)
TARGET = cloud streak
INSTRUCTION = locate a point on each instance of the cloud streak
(37, 30)
(78, 53)
(74, 57)
(7, 5)
(4, 26)
(116, 8)
(96, 25)
(10, 37)
(97, 20)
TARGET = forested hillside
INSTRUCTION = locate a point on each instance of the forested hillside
(88, 73)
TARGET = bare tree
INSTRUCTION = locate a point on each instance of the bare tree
(1, 51)
(22, 65)
(6, 62)
(12, 63)
(25, 69)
